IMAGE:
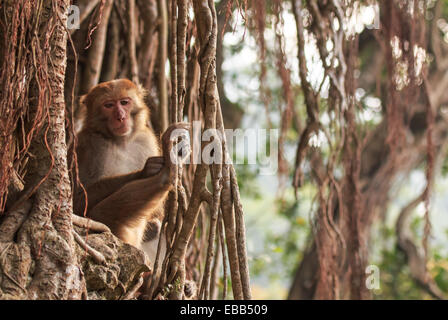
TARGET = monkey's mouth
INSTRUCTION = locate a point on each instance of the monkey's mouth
(121, 130)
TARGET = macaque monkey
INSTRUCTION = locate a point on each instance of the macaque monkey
(126, 174)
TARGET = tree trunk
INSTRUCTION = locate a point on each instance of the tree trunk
(44, 243)
(42, 257)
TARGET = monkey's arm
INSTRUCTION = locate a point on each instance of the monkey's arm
(100, 190)
(131, 206)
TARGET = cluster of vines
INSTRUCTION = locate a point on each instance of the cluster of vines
(348, 203)
(133, 39)
(23, 61)
(36, 232)
(141, 37)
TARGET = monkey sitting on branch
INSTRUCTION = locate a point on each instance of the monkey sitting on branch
(126, 173)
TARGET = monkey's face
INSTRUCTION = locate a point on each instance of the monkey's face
(118, 115)
(115, 108)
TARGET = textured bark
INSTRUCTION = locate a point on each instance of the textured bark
(45, 244)
(45, 258)
(40, 258)
(373, 161)
(163, 55)
(224, 207)
(85, 8)
(181, 44)
(377, 174)
(148, 49)
(112, 57)
(118, 275)
(95, 55)
(131, 35)
(232, 112)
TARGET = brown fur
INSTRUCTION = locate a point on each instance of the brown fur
(118, 171)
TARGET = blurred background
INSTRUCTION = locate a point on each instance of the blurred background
(261, 87)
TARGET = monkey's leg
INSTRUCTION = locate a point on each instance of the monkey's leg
(101, 190)
(127, 210)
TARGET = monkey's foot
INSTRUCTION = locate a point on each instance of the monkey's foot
(89, 224)
(97, 256)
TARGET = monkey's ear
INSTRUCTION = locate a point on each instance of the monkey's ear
(83, 100)
(142, 92)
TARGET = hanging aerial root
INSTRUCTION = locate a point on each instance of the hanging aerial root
(96, 255)
(89, 224)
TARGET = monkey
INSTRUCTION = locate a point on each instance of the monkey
(125, 171)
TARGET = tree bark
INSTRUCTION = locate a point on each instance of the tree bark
(45, 245)
(92, 70)
(163, 54)
(42, 256)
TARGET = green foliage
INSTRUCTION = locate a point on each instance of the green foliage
(396, 281)
(444, 170)
(278, 229)
(247, 182)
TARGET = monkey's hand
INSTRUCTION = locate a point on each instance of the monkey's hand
(176, 154)
(153, 166)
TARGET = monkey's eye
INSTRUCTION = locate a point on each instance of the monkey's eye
(124, 102)
(108, 105)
